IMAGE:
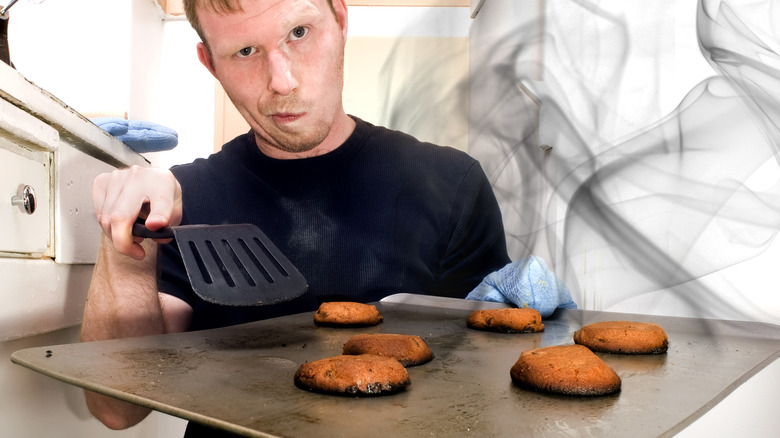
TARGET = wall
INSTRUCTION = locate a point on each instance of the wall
(407, 68)
(84, 56)
(650, 138)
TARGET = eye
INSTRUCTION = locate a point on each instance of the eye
(298, 33)
(246, 51)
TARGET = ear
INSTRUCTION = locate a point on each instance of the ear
(340, 8)
(205, 58)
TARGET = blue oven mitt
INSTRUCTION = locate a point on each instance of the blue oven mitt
(525, 283)
(140, 136)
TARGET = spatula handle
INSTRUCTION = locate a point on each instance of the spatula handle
(140, 230)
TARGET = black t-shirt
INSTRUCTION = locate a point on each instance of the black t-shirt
(382, 214)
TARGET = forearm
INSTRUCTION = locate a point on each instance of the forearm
(122, 302)
(123, 299)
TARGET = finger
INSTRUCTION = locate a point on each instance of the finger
(121, 202)
(120, 209)
(106, 189)
(136, 251)
(165, 203)
(123, 239)
(111, 211)
(126, 195)
(99, 187)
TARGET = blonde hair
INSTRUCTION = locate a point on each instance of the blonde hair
(219, 6)
(222, 6)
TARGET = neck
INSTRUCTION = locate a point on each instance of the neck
(342, 128)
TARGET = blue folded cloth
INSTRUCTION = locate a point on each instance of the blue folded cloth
(525, 283)
(139, 135)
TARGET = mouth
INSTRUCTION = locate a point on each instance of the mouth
(286, 118)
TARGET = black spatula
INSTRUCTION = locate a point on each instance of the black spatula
(234, 265)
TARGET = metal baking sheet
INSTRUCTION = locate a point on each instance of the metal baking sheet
(241, 378)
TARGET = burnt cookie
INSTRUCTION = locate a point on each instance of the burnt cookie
(410, 350)
(347, 314)
(511, 320)
(361, 375)
(564, 369)
(623, 337)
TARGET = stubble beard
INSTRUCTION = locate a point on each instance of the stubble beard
(301, 140)
(293, 140)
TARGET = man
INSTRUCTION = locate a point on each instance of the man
(362, 211)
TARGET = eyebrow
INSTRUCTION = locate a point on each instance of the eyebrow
(289, 19)
(293, 18)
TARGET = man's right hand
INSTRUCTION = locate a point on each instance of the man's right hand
(120, 196)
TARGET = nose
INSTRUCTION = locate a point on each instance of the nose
(282, 80)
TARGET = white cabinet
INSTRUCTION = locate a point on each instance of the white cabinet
(49, 156)
(24, 188)
(26, 151)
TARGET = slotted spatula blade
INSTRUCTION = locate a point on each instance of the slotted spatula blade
(235, 265)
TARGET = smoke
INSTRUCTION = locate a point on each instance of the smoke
(639, 205)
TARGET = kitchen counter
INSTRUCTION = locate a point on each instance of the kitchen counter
(241, 378)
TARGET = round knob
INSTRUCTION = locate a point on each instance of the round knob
(25, 199)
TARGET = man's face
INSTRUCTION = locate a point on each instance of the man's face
(281, 62)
